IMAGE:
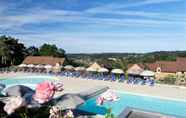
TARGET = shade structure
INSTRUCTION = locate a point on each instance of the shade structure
(48, 66)
(135, 70)
(22, 65)
(102, 70)
(56, 68)
(69, 101)
(117, 71)
(30, 65)
(147, 73)
(94, 67)
(39, 66)
(69, 67)
(91, 69)
(80, 68)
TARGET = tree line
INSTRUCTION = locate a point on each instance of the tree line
(13, 52)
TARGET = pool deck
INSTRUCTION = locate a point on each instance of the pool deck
(76, 85)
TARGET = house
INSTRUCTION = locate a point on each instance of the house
(43, 60)
(165, 68)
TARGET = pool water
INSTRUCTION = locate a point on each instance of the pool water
(154, 104)
(30, 81)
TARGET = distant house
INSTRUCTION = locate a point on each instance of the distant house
(165, 68)
(43, 60)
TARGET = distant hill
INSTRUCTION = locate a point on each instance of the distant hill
(118, 55)
(128, 57)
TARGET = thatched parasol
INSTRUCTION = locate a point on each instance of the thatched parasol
(30, 65)
(102, 70)
(48, 66)
(117, 71)
(39, 66)
(135, 70)
(94, 67)
(80, 68)
(147, 73)
(69, 67)
(22, 65)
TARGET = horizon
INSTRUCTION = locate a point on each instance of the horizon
(125, 52)
(99, 26)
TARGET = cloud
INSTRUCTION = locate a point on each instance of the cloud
(108, 26)
(39, 16)
(115, 6)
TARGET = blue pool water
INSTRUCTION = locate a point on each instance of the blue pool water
(30, 81)
(154, 104)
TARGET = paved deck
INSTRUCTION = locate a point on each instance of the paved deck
(76, 85)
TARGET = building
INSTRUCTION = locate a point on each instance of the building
(43, 60)
(165, 68)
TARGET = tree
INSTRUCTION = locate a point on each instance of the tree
(51, 50)
(32, 51)
(3, 52)
(11, 51)
(48, 50)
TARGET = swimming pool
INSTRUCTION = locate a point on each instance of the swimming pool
(30, 81)
(154, 104)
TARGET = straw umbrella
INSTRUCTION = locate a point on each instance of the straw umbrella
(94, 67)
(91, 69)
(56, 68)
(30, 65)
(80, 68)
(22, 65)
(116, 72)
(148, 74)
(69, 67)
(39, 66)
(103, 70)
(135, 70)
(48, 67)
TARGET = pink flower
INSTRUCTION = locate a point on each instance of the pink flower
(69, 114)
(44, 92)
(59, 86)
(13, 104)
(107, 96)
(54, 112)
(100, 100)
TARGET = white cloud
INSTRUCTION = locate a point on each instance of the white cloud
(137, 3)
(37, 16)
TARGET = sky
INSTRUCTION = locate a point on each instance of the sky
(97, 26)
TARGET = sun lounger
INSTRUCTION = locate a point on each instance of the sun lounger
(130, 112)
(122, 78)
(93, 92)
(113, 77)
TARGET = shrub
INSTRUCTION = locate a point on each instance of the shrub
(170, 79)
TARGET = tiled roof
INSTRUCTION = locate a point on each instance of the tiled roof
(43, 60)
(169, 66)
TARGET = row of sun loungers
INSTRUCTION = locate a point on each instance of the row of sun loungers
(93, 76)
(108, 77)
